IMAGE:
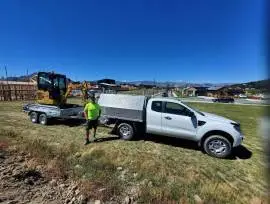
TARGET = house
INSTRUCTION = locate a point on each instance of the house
(217, 92)
(224, 91)
(189, 91)
(194, 91)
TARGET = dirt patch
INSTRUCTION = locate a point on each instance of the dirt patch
(21, 184)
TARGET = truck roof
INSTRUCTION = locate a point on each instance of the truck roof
(172, 99)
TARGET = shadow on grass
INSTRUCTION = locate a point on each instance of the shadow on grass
(172, 141)
(105, 139)
(68, 122)
(240, 152)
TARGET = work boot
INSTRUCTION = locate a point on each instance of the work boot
(87, 142)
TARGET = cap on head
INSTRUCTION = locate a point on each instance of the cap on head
(92, 97)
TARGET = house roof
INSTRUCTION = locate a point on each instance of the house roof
(200, 87)
(190, 88)
(106, 84)
(215, 88)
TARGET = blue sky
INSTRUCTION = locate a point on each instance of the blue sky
(192, 40)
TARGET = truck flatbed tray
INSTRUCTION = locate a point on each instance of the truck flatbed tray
(121, 106)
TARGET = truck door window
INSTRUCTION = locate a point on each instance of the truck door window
(175, 108)
(156, 106)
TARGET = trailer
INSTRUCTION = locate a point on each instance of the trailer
(39, 113)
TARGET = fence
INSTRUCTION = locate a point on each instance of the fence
(144, 92)
(11, 91)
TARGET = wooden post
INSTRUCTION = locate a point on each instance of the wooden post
(15, 90)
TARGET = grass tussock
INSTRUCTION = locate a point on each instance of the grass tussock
(54, 160)
(99, 175)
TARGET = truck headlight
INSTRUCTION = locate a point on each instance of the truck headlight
(236, 126)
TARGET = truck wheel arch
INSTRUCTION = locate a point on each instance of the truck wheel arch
(216, 132)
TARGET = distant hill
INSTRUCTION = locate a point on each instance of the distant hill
(176, 84)
(21, 78)
(26, 78)
(259, 85)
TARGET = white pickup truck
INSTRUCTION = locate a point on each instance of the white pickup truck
(170, 117)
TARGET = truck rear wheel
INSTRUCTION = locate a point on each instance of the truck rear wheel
(43, 120)
(125, 131)
(217, 146)
(33, 117)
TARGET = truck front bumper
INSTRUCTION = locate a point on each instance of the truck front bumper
(239, 140)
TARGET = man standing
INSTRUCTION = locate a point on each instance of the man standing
(92, 112)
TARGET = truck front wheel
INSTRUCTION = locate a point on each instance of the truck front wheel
(125, 131)
(217, 146)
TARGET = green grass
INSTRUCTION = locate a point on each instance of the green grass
(164, 171)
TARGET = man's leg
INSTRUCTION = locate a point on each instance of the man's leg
(95, 129)
(87, 133)
(94, 133)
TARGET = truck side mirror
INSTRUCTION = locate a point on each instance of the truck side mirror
(191, 114)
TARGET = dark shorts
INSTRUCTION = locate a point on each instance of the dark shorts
(91, 124)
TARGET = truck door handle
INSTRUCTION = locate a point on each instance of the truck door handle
(168, 118)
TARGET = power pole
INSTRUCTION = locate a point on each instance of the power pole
(154, 84)
(6, 74)
(9, 90)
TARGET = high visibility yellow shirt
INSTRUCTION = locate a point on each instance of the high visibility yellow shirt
(92, 110)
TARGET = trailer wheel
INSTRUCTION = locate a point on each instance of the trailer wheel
(43, 119)
(33, 117)
(125, 131)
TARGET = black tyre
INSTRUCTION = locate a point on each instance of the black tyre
(42, 119)
(33, 117)
(125, 131)
(217, 146)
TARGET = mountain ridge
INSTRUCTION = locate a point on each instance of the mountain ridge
(260, 84)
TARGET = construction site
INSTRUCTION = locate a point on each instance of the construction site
(50, 160)
(134, 102)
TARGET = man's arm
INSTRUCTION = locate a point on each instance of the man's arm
(86, 112)
(99, 112)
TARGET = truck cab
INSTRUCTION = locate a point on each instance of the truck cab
(171, 117)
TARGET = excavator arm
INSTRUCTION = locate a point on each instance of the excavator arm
(84, 89)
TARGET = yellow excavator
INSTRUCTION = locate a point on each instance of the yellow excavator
(53, 89)
(51, 100)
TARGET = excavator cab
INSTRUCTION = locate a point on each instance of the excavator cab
(51, 88)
